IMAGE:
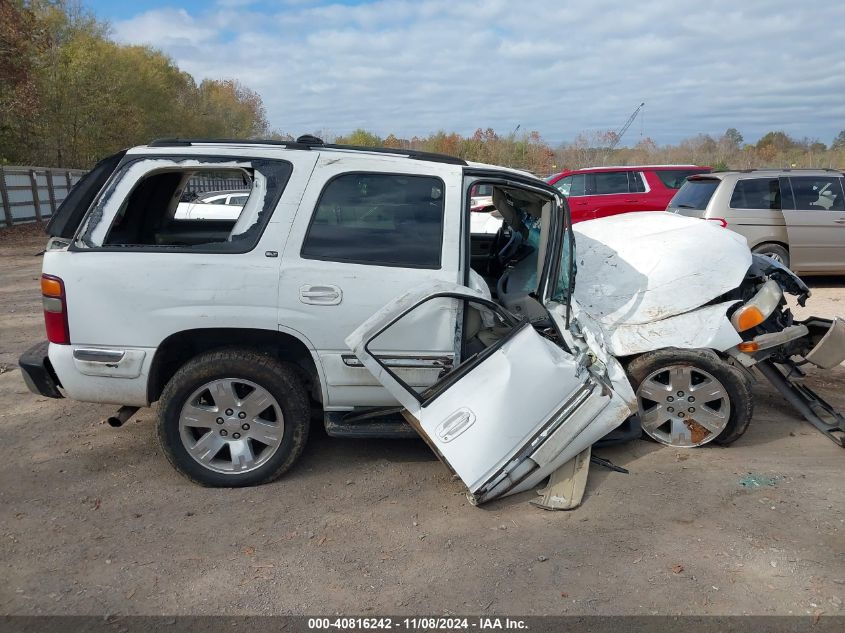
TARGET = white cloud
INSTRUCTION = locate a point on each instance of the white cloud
(412, 67)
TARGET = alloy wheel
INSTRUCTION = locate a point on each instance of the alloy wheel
(231, 425)
(683, 406)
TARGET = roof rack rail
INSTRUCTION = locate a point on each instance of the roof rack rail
(187, 142)
(307, 142)
(752, 170)
(410, 153)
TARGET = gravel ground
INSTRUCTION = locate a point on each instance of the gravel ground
(95, 521)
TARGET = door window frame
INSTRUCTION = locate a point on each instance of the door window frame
(440, 386)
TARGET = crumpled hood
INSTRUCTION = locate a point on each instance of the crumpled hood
(639, 268)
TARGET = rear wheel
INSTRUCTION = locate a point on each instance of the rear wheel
(688, 398)
(775, 251)
(233, 417)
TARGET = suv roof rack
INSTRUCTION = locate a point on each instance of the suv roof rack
(307, 142)
(749, 171)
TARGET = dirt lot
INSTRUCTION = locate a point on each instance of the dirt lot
(95, 521)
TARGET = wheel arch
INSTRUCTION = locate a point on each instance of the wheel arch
(767, 240)
(178, 348)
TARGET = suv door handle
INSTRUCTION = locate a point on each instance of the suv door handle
(840, 221)
(320, 295)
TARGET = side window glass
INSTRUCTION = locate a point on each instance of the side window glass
(675, 178)
(238, 199)
(635, 182)
(817, 193)
(609, 182)
(756, 193)
(378, 219)
(571, 186)
(564, 185)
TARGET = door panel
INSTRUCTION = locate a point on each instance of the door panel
(512, 412)
(326, 286)
(816, 226)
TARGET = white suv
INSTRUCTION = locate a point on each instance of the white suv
(241, 328)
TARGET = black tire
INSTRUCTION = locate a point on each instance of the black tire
(770, 248)
(736, 383)
(275, 377)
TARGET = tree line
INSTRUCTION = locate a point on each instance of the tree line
(530, 152)
(70, 96)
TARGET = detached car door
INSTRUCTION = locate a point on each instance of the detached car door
(514, 409)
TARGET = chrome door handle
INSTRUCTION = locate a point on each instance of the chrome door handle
(320, 295)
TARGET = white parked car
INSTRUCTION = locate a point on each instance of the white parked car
(213, 205)
(351, 284)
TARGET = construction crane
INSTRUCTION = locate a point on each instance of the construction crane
(624, 129)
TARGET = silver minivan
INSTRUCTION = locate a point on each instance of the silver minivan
(795, 216)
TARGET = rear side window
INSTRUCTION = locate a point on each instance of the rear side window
(817, 193)
(675, 178)
(609, 182)
(695, 194)
(158, 202)
(635, 182)
(572, 186)
(756, 193)
(378, 219)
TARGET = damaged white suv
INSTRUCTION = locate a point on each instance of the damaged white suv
(242, 328)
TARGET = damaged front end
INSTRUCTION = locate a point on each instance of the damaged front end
(768, 328)
(779, 345)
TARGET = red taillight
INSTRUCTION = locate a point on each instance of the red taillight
(55, 309)
(721, 221)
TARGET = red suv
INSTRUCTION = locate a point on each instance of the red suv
(596, 192)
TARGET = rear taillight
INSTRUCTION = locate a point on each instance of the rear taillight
(721, 221)
(55, 309)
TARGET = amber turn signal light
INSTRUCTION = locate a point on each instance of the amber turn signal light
(748, 346)
(747, 317)
(51, 286)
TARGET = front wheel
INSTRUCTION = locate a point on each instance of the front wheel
(233, 417)
(688, 398)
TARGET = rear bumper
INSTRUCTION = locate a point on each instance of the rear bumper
(38, 373)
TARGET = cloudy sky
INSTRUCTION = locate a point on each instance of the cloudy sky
(556, 66)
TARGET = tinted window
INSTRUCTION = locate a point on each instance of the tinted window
(675, 178)
(572, 185)
(238, 199)
(378, 219)
(608, 182)
(695, 194)
(756, 193)
(635, 182)
(817, 193)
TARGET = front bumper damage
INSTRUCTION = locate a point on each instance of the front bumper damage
(826, 342)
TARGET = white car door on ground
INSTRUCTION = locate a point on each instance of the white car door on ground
(516, 408)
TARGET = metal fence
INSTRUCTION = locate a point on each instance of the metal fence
(28, 194)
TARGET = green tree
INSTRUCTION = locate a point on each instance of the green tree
(733, 137)
(839, 141)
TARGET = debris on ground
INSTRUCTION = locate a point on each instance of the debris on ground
(754, 480)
